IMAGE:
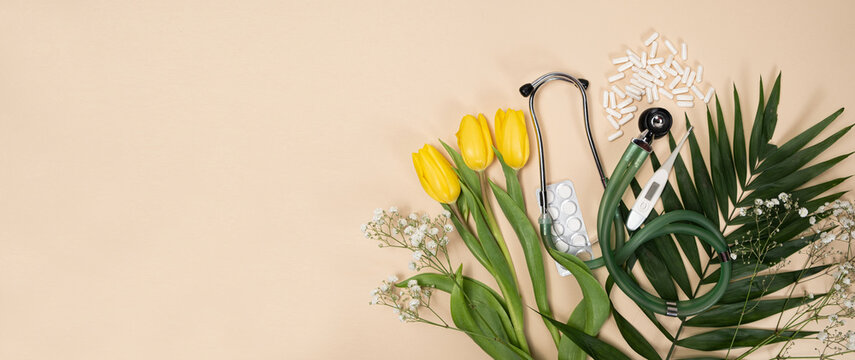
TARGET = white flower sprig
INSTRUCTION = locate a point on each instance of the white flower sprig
(426, 237)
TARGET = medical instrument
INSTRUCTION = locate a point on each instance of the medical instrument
(609, 217)
(571, 235)
(649, 195)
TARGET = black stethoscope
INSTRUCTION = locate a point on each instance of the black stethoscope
(654, 123)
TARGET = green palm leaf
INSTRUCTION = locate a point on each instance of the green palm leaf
(738, 174)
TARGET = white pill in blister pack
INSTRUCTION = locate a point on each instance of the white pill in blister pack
(568, 226)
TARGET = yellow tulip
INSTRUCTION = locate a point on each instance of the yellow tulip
(512, 137)
(475, 142)
(436, 175)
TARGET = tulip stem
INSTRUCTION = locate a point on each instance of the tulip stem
(494, 226)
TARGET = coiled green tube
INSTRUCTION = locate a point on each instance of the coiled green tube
(680, 221)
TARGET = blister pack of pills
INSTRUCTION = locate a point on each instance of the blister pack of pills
(568, 227)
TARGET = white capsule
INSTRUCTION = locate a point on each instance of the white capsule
(660, 72)
(635, 60)
(644, 59)
(631, 53)
(616, 77)
(674, 82)
(677, 67)
(613, 113)
(625, 118)
(649, 96)
(623, 104)
(691, 79)
(628, 109)
(620, 60)
(630, 89)
(617, 92)
(639, 83)
(708, 95)
(668, 60)
(671, 71)
(616, 135)
(645, 75)
(651, 39)
(700, 76)
(697, 92)
(605, 98)
(665, 93)
(625, 66)
(653, 48)
(670, 47)
(685, 104)
(681, 90)
(658, 82)
(684, 54)
(685, 76)
(613, 122)
(634, 96)
(685, 97)
(612, 102)
(655, 93)
(654, 61)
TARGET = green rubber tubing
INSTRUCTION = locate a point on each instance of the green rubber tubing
(673, 222)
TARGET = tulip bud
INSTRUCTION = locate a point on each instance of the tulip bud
(475, 142)
(436, 175)
(512, 137)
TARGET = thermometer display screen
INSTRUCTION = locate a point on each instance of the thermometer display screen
(653, 187)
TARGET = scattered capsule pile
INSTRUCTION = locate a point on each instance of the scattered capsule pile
(647, 76)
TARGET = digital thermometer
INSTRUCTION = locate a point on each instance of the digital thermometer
(653, 189)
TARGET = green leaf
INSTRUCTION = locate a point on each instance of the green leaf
(796, 161)
(721, 339)
(685, 184)
(512, 182)
(740, 160)
(747, 289)
(653, 263)
(704, 185)
(596, 348)
(487, 339)
(671, 202)
(594, 309)
(795, 144)
(634, 338)
(756, 140)
(467, 175)
(814, 204)
(726, 160)
(472, 243)
(808, 193)
(791, 181)
(718, 167)
(531, 249)
(770, 119)
(744, 313)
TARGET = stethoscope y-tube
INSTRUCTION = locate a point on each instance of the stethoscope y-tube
(608, 215)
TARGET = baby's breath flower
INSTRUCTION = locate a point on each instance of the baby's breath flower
(414, 216)
(758, 211)
(758, 202)
(433, 231)
(393, 209)
(783, 196)
(741, 211)
(417, 255)
(448, 228)
(412, 283)
(812, 220)
(392, 278)
(803, 212)
(446, 213)
(412, 266)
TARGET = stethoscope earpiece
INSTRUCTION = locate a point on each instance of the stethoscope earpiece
(656, 120)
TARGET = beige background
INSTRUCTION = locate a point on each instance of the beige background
(186, 179)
